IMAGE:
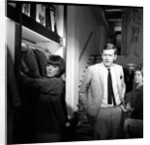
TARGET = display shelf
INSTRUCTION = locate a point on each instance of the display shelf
(31, 24)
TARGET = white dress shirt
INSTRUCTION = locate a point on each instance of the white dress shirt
(114, 85)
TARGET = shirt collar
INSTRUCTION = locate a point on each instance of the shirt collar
(111, 67)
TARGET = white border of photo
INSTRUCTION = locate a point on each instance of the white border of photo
(145, 5)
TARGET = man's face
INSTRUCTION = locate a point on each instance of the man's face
(108, 57)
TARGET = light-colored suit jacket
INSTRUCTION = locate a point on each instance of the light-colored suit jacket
(92, 88)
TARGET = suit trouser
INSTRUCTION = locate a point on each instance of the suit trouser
(107, 123)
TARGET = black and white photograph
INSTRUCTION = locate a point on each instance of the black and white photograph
(52, 14)
(40, 14)
(75, 73)
(26, 9)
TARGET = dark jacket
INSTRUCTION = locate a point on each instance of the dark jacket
(135, 98)
(49, 109)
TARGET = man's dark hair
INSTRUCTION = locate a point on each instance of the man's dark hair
(139, 68)
(109, 46)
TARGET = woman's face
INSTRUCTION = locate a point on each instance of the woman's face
(52, 70)
(138, 78)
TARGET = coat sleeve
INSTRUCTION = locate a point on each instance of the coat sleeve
(123, 87)
(122, 83)
(12, 85)
(83, 92)
(52, 86)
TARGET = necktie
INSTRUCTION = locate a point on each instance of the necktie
(110, 89)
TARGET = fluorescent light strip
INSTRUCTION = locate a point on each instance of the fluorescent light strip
(113, 10)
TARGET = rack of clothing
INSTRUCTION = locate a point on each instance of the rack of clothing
(44, 109)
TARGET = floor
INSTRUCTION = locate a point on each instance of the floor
(78, 129)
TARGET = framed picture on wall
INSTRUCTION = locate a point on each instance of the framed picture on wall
(26, 9)
(52, 14)
(41, 14)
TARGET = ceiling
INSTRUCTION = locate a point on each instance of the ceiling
(113, 16)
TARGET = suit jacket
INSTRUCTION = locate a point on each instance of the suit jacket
(92, 89)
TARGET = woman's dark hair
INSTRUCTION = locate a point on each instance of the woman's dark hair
(139, 68)
(109, 46)
(59, 61)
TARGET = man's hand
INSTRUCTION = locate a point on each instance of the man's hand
(123, 108)
(128, 107)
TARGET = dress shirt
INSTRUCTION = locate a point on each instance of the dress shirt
(114, 85)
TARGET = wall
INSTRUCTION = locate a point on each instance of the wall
(133, 37)
(135, 32)
(10, 37)
(60, 28)
(83, 32)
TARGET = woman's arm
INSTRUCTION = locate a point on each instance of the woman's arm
(53, 86)
(32, 83)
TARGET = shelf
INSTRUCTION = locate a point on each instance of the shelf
(31, 35)
(30, 23)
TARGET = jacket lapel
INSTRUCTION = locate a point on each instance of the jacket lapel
(117, 74)
(101, 73)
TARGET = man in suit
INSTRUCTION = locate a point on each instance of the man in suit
(104, 115)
